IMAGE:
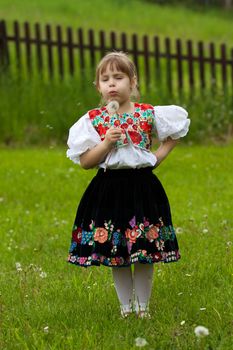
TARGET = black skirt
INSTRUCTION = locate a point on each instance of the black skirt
(123, 217)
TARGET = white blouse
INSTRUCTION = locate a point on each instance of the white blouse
(169, 120)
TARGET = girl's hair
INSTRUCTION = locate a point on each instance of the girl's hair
(122, 63)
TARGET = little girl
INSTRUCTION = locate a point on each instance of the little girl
(124, 215)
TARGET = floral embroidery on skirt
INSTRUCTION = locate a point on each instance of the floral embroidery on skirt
(123, 217)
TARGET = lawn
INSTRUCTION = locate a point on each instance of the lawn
(129, 16)
(49, 304)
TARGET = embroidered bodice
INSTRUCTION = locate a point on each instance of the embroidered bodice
(133, 151)
(136, 127)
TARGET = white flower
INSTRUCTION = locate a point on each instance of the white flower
(182, 323)
(112, 107)
(201, 331)
(179, 230)
(43, 274)
(46, 329)
(140, 342)
(205, 230)
(18, 266)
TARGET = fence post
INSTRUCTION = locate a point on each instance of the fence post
(190, 64)
(168, 63)
(146, 61)
(223, 65)
(4, 51)
(212, 67)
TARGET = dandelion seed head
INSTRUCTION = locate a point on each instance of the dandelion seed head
(201, 331)
(18, 266)
(43, 274)
(140, 342)
(46, 329)
(112, 107)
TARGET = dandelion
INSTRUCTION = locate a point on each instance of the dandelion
(140, 342)
(205, 230)
(18, 266)
(46, 329)
(201, 331)
(112, 107)
(179, 230)
(43, 274)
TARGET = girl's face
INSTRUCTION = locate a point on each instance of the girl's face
(115, 85)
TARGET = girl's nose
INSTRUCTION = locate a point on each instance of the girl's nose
(111, 82)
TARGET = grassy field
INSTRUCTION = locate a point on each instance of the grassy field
(34, 112)
(50, 304)
(129, 16)
(40, 111)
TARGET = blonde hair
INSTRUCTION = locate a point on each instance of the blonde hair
(122, 63)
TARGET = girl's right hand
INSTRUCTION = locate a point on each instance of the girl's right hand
(113, 135)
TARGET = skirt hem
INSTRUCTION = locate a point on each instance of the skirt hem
(111, 262)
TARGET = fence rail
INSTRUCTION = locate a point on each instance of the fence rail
(174, 64)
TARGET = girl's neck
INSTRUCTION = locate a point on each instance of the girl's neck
(126, 107)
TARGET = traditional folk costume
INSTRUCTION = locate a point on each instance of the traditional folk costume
(124, 214)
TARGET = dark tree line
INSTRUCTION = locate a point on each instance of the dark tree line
(228, 4)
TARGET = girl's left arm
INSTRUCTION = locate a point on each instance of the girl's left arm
(164, 149)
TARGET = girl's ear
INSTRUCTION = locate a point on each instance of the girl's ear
(134, 82)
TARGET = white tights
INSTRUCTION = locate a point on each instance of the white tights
(129, 286)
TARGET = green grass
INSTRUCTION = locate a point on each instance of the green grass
(40, 190)
(37, 112)
(129, 16)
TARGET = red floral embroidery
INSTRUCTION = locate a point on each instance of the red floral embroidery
(102, 129)
(117, 122)
(145, 126)
(77, 235)
(139, 130)
(145, 106)
(129, 120)
(135, 136)
(94, 112)
(124, 126)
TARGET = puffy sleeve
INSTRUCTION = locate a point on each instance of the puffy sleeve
(82, 136)
(171, 121)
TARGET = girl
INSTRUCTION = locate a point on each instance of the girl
(124, 216)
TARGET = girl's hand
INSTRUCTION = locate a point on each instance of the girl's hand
(113, 135)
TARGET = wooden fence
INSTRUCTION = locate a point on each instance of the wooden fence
(174, 64)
